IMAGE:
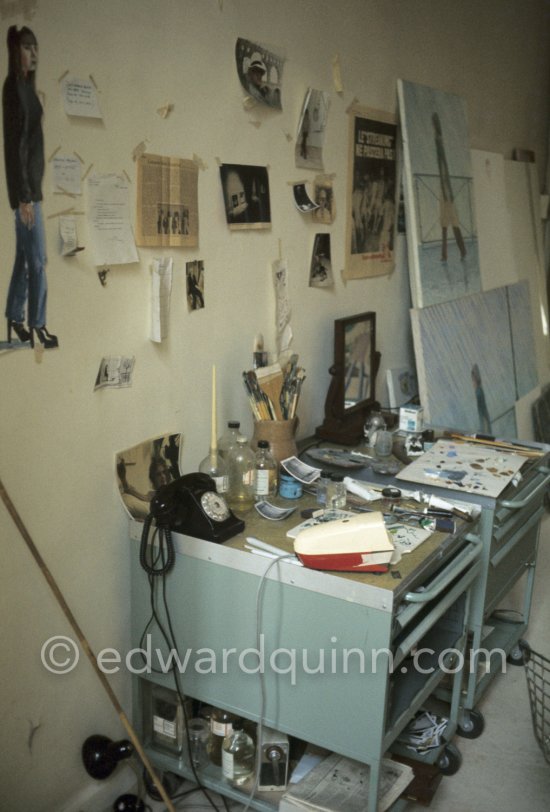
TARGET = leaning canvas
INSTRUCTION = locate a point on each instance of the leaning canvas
(439, 200)
(475, 358)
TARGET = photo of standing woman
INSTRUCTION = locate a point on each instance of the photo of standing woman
(24, 161)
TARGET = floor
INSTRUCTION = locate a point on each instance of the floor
(504, 769)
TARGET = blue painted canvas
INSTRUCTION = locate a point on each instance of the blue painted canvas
(475, 359)
(439, 200)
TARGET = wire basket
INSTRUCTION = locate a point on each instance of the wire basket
(537, 670)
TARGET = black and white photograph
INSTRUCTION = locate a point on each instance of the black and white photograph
(311, 130)
(302, 199)
(320, 274)
(246, 196)
(260, 72)
(194, 277)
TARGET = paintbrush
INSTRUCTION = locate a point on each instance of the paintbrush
(270, 380)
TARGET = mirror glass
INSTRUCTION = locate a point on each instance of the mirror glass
(358, 359)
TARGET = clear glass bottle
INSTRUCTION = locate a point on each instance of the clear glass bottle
(221, 725)
(240, 463)
(238, 755)
(265, 472)
(228, 438)
(215, 467)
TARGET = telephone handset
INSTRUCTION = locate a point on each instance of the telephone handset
(190, 506)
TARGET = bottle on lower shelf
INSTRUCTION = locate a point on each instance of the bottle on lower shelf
(238, 755)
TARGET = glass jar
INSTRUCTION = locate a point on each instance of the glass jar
(289, 488)
(336, 492)
(241, 466)
(238, 755)
(216, 468)
(265, 472)
(322, 484)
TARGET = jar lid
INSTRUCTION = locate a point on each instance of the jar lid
(233, 424)
(337, 477)
(263, 444)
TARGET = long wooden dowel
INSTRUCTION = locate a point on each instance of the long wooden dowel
(84, 643)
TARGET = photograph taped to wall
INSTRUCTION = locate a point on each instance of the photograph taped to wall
(246, 196)
(439, 200)
(302, 199)
(167, 202)
(142, 469)
(323, 194)
(311, 130)
(194, 274)
(260, 72)
(320, 274)
(372, 172)
(475, 358)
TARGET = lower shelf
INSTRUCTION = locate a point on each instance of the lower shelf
(211, 778)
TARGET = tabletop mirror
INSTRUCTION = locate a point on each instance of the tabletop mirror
(351, 394)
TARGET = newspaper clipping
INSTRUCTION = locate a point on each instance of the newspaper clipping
(167, 206)
(372, 194)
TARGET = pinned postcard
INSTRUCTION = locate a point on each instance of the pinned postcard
(311, 130)
(68, 237)
(320, 272)
(66, 175)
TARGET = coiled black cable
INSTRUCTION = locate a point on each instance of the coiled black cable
(166, 545)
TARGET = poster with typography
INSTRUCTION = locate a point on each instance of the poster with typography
(372, 173)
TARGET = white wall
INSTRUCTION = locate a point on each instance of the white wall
(58, 436)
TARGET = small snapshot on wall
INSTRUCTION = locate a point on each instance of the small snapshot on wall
(311, 130)
(302, 199)
(320, 275)
(246, 196)
(260, 73)
(371, 194)
(323, 194)
(115, 372)
(194, 275)
(167, 202)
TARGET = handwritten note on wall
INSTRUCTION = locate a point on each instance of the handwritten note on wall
(80, 98)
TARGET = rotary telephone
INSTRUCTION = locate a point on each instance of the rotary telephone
(190, 506)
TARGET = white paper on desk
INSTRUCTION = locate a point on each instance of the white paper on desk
(66, 172)
(80, 98)
(111, 237)
(161, 288)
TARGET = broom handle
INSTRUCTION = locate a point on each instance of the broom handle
(84, 643)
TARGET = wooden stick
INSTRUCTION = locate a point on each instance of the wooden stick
(84, 643)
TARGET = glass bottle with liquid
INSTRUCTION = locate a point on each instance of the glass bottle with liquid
(336, 492)
(221, 726)
(238, 755)
(241, 464)
(265, 472)
(215, 466)
(228, 438)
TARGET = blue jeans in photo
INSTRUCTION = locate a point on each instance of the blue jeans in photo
(28, 285)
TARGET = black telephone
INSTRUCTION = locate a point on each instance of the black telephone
(192, 506)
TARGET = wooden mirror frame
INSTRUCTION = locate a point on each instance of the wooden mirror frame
(341, 424)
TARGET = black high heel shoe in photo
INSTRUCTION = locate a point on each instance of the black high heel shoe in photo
(47, 340)
(19, 329)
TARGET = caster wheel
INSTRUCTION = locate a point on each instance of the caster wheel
(450, 760)
(515, 657)
(472, 726)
